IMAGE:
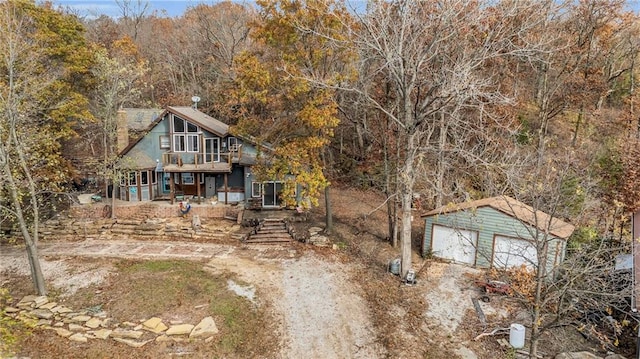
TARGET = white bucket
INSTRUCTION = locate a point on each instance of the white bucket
(516, 335)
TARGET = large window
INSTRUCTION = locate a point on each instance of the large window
(187, 178)
(186, 136)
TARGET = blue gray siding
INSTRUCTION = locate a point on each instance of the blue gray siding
(489, 222)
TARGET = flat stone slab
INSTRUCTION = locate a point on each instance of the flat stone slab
(93, 323)
(131, 343)
(154, 325)
(127, 334)
(180, 329)
(10, 310)
(63, 332)
(101, 334)
(207, 327)
(81, 318)
(77, 337)
(41, 313)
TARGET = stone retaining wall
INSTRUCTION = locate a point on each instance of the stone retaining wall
(148, 210)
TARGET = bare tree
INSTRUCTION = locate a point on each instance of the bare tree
(21, 84)
(432, 56)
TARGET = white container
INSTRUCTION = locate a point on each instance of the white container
(516, 335)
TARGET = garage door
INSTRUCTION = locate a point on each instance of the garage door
(513, 252)
(454, 244)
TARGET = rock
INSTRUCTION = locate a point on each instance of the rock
(40, 301)
(577, 355)
(93, 323)
(180, 329)
(614, 356)
(41, 313)
(123, 333)
(58, 324)
(44, 322)
(205, 328)
(101, 334)
(61, 309)
(49, 305)
(208, 340)
(10, 310)
(63, 332)
(154, 325)
(26, 301)
(76, 327)
(131, 343)
(78, 337)
(129, 324)
(163, 338)
(80, 318)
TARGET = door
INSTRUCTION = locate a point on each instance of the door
(211, 150)
(210, 186)
(458, 245)
(271, 194)
(513, 252)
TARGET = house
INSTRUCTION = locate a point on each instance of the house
(185, 153)
(498, 232)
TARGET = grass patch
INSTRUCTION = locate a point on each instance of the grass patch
(172, 290)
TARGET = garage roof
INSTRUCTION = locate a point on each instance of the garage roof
(513, 208)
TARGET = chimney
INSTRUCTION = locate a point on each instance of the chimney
(122, 132)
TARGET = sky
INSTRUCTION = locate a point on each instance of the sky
(172, 8)
(96, 8)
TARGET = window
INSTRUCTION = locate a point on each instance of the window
(133, 180)
(187, 178)
(233, 144)
(154, 177)
(178, 124)
(165, 142)
(255, 189)
(144, 178)
(192, 143)
(166, 181)
(186, 136)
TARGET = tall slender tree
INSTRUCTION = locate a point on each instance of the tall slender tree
(43, 62)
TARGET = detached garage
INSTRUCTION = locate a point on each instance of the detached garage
(498, 232)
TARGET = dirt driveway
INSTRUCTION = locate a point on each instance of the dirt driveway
(319, 313)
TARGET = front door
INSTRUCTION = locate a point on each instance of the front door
(210, 186)
(271, 194)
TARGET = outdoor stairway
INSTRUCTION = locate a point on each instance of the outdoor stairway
(270, 231)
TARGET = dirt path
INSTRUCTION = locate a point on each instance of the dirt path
(320, 313)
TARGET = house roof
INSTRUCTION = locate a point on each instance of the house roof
(139, 119)
(513, 208)
(209, 123)
(188, 113)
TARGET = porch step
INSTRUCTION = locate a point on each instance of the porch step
(270, 231)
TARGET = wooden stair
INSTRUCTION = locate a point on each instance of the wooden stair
(270, 231)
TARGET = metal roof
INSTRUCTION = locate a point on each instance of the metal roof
(513, 208)
(200, 118)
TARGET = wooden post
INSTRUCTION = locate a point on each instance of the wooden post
(172, 188)
(198, 186)
(226, 189)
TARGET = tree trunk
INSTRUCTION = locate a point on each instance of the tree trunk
(32, 250)
(441, 167)
(329, 213)
(405, 184)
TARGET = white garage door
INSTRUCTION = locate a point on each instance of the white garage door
(513, 252)
(454, 244)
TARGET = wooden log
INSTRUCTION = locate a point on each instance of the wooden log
(480, 313)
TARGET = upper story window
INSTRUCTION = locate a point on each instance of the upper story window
(186, 136)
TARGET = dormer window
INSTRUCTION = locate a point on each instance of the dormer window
(186, 136)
